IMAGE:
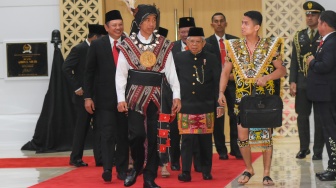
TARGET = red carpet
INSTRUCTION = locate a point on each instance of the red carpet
(90, 177)
(37, 162)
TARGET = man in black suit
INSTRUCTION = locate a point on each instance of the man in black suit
(101, 97)
(73, 68)
(305, 42)
(218, 23)
(185, 23)
(321, 87)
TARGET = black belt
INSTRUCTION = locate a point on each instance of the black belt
(145, 78)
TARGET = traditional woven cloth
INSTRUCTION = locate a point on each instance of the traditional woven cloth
(247, 68)
(139, 91)
(195, 123)
(260, 138)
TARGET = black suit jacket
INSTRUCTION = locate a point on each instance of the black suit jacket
(73, 68)
(321, 79)
(99, 83)
(213, 41)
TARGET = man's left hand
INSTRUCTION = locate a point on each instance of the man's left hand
(176, 106)
(309, 59)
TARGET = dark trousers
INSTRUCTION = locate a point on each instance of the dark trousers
(219, 136)
(204, 142)
(96, 143)
(82, 127)
(326, 115)
(230, 95)
(175, 151)
(303, 108)
(137, 137)
(114, 143)
(175, 138)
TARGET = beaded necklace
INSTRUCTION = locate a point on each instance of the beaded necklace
(145, 47)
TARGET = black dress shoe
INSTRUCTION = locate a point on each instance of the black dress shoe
(78, 163)
(122, 175)
(175, 167)
(223, 156)
(207, 176)
(317, 157)
(184, 177)
(302, 154)
(328, 176)
(318, 174)
(131, 178)
(150, 184)
(107, 175)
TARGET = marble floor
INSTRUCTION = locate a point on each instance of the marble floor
(286, 171)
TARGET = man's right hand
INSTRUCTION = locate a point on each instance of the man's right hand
(292, 89)
(89, 106)
(122, 106)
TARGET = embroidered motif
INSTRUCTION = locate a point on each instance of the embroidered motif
(260, 138)
(242, 144)
(195, 123)
(247, 69)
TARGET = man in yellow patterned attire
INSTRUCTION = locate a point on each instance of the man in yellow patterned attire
(256, 62)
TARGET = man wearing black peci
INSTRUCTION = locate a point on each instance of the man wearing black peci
(101, 97)
(148, 91)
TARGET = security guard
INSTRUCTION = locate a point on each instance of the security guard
(305, 43)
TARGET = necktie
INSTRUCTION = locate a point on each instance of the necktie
(222, 50)
(321, 43)
(186, 48)
(115, 52)
(311, 34)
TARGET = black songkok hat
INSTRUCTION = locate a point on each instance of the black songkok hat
(255, 16)
(196, 31)
(97, 29)
(312, 7)
(187, 22)
(112, 15)
(141, 13)
(163, 31)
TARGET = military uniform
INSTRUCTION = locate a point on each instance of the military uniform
(305, 43)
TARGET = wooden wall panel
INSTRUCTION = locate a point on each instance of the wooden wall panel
(201, 11)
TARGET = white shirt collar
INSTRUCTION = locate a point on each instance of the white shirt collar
(87, 41)
(183, 45)
(325, 36)
(143, 39)
(112, 40)
(218, 38)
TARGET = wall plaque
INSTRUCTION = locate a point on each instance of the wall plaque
(28, 59)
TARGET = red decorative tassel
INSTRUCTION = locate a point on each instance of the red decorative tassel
(163, 133)
(164, 117)
(168, 142)
(163, 148)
